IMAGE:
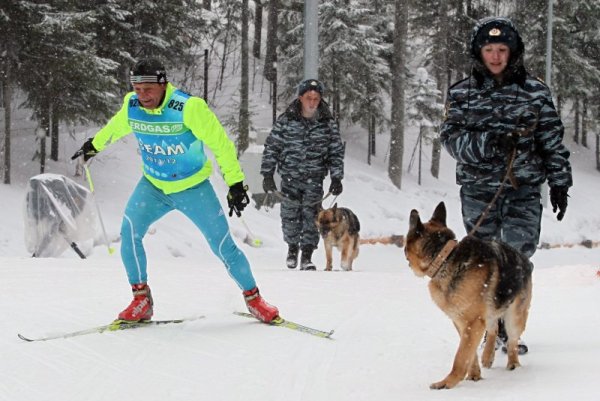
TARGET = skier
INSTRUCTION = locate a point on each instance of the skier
(304, 145)
(171, 128)
(498, 111)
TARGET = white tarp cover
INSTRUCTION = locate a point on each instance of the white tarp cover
(58, 212)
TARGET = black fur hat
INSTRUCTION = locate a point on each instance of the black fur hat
(148, 71)
(496, 30)
(310, 85)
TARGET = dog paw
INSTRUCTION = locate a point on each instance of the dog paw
(441, 385)
(487, 362)
(474, 376)
(512, 365)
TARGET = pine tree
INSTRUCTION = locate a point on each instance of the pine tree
(16, 19)
(65, 80)
(424, 108)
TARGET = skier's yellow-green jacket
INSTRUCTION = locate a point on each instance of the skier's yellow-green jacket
(171, 139)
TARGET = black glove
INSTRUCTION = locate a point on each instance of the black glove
(87, 151)
(336, 187)
(237, 198)
(269, 184)
(506, 143)
(558, 199)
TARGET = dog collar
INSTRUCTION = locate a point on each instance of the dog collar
(436, 264)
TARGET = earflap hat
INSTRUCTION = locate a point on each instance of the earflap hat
(496, 30)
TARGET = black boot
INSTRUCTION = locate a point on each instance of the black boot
(292, 257)
(305, 259)
(522, 348)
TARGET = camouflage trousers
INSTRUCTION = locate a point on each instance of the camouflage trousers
(299, 211)
(515, 218)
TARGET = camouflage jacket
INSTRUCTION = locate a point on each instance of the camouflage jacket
(479, 109)
(301, 148)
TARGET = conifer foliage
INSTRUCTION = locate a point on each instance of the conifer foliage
(67, 60)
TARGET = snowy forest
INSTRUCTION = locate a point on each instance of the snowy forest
(386, 64)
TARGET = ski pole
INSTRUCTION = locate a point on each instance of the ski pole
(250, 238)
(91, 184)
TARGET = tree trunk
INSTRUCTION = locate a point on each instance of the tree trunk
(576, 120)
(442, 79)
(422, 133)
(205, 75)
(336, 101)
(398, 66)
(242, 142)
(372, 132)
(274, 97)
(225, 50)
(584, 123)
(44, 132)
(271, 51)
(54, 135)
(598, 152)
(7, 90)
(369, 140)
(258, 12)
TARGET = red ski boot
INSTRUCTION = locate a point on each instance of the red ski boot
(141, 306)
(258, 307)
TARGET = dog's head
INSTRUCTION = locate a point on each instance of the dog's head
(328, 220)
(424, 240)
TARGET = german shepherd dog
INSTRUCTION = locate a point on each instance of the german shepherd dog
(475, 283)
(339, 227)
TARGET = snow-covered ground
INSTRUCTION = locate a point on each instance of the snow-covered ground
(390, 340)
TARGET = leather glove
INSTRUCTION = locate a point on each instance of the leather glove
(269, 184)
(558, 200)
(506, 143)
(336, 187)
(237, 198)
(87, 150)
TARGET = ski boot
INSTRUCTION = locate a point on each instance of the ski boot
(259, 307)
(141, 308)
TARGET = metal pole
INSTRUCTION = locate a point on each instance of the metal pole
(311, 39)
(548, 78)
(549, 46)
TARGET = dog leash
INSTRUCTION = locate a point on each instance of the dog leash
(508, 176)
(332, 201)
(436, 264)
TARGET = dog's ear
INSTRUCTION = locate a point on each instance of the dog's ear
(334, 206)
(319, 207)
(439, 214)
(414, 224)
